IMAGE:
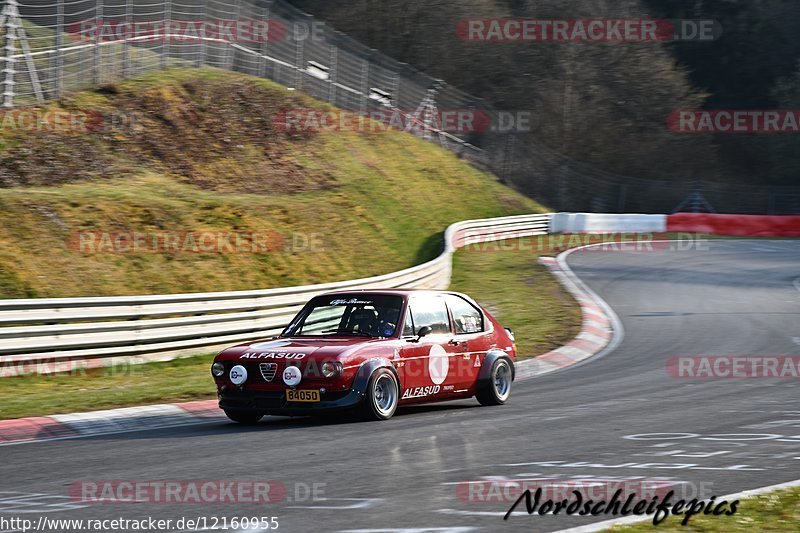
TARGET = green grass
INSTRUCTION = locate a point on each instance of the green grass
(511, 284)
(775, 511)
(180, 380)
(520, 293)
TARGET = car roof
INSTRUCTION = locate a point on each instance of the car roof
(392, 292)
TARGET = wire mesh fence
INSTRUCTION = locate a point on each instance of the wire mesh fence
(53, 47)
(568, 185)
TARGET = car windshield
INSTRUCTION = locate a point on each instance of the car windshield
(365, 315)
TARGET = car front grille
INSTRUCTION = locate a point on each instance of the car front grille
(268, 370)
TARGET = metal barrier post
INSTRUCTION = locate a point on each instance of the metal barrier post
(98, 17)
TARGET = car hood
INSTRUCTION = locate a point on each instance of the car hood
(298, 349)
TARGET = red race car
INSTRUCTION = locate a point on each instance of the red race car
(369, 351)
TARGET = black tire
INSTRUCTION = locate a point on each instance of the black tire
(247, 418)
(382, 396)
(497, 388)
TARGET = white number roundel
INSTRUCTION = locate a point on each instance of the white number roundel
(438, 364)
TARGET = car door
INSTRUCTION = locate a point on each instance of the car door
(428, 370)
(470, 339)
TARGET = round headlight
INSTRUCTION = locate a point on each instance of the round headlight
(217, 370)
(328, 370)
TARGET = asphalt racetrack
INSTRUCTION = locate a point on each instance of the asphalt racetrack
(619, 416)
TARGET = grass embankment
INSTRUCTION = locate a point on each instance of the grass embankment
(775, 511)
(201, 154)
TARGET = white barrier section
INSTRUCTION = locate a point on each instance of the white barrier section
(608, 223)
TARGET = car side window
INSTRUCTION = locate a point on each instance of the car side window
(430, 311)
(467, 317)
(408, 327)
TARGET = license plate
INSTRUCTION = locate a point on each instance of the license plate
(302, 395)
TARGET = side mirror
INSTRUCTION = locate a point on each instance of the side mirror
(424, 331)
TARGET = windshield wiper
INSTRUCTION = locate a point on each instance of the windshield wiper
(349, 332)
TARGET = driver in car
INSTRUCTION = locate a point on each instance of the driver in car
(378, 322)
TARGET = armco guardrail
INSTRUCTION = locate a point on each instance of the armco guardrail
(601, 222)
(47, 332)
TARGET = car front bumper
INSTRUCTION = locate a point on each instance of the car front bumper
(274, 403)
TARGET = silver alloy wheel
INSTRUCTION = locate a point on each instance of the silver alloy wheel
(385, 394)
(502, 381)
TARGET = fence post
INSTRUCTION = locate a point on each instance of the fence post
(98, 17)
(126, 51)
(299, 61)
(332, 74)
(396, 91)
(365, 82)
(201, 59)
(167, 25)
(58, 59)
(262, 66)
(508, 157)
(9, 50)
(230, 57)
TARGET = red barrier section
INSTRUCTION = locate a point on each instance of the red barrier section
(755, 225)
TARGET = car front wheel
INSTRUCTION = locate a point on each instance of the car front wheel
(497, 389)
(382, 395)
(244, 417)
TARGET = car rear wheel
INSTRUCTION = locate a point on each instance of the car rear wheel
(244, 417)
(497, 389)
(382, 395)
